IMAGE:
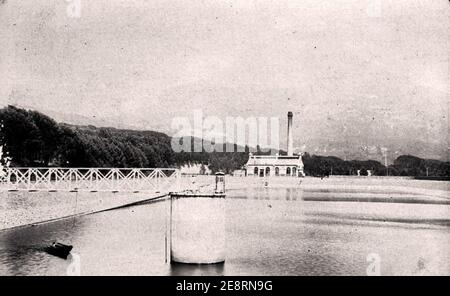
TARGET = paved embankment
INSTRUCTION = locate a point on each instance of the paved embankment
(22, 207)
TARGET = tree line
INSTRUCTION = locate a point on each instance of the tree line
(33, 139)
(404, 165)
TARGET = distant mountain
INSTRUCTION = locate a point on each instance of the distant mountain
(371, 150)
(323, 140)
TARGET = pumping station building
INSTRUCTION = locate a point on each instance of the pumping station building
(277, 165)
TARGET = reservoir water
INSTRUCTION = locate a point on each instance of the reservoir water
(269, 231)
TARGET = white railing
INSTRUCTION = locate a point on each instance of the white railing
(89, 179)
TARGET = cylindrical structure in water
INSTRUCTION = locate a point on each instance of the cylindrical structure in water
(197, 228)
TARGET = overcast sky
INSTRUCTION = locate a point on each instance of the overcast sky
(366, 72)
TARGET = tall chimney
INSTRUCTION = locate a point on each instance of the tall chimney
(290, 141)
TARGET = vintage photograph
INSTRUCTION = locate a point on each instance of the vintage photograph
(224, 138)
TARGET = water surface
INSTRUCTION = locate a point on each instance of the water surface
(269, 232)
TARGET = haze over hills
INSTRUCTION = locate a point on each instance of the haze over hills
(353, 146)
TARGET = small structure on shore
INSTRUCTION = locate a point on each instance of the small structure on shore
(197, 225)
(277, 165)
(220, 183)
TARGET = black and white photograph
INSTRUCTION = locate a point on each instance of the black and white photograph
(224, 138)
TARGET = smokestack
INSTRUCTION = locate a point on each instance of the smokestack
(290, 141)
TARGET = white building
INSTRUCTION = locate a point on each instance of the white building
(277, 165)
(194, 169)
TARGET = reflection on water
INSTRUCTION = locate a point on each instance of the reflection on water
(335, 194)
(268, 193)
(269, 232)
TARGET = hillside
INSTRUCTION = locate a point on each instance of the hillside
(34, 139)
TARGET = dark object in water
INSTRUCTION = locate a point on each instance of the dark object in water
(59, 250)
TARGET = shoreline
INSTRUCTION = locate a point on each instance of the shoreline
(21, 209)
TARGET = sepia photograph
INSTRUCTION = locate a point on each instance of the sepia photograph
(224, 138)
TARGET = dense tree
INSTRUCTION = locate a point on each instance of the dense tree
(407, 165)
(29, 138)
